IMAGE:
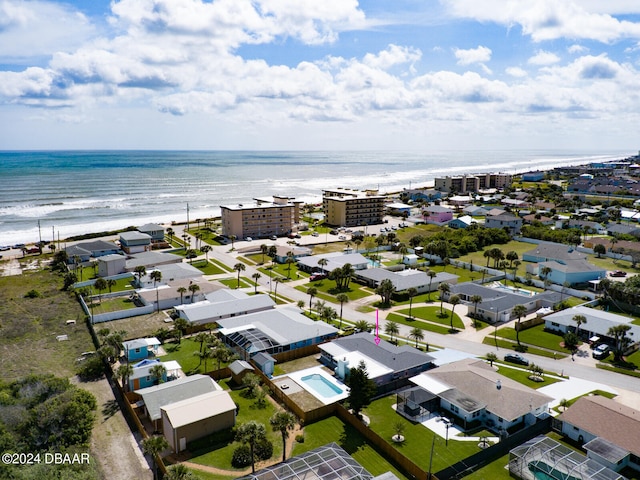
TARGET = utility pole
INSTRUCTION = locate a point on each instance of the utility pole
(187, 218)
(40, 237)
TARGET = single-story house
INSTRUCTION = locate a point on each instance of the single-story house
(388, 366)
(460, 200)
(475, 395)
(461, 222)
(283, 251)
(77, 254)
(151, 259)
(536, 217)
(437, 214)
(398, 209)
(170, 273)
(155, 231)
(594, 227)
(156, 397)
(196, 417)
(606, 429)
(334, 260)
(546, 251)
(142, 378)
(597, 325)
(504, 220)
(113, 264)
(135, 242)
(169, 296)
(273, 331)
(140, 348)
(498, 301)
(404, 279)
(93, 248)
(475, 211)
(224, 304)
(571, 272)
(419, 194)
(623, 228)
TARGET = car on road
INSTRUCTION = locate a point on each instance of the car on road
(249, 239)
(601, 351)
(315, 234)
(4, 248)
(342, 237)
(273, 237)
(515, 358)
(618, 273)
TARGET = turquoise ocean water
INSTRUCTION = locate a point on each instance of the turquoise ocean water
(78, 192)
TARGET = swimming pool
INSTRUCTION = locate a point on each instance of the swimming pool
(321, 385)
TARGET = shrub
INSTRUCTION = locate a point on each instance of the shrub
(33, 294)
(241, 456)
(300, 438)
(264, 449)
(91, 368)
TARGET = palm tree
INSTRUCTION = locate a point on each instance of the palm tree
(193, 288)
(391, 328)
(264, 249)
(320, 304)
(544, 271)
(431, 274)
(233, 239)
(239, 267)
(171, 233)
(206, 249)
(503, 266)
(201, 337)
(179, 472)
(342, 298)
(312, 292)
(290, 259)
(256, 276)
(111, 283)
(403, 250)
(417, 334)
(580, 320)
(157, 372)
(283, 422)
(156, 276)
(123, 373)
(251, 432)
(323, 263)
(443, 288)
(492, 357)
(411, 292)
(140, 272)
(363, 326)
(487, 254)
(100, 285)
(511, 256)
(519, 311)
(181, 291)
(619, 334)
(453, 300)
(154, 446)
(476, 299)
(301, 305)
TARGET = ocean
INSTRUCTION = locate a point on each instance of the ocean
(74, 192)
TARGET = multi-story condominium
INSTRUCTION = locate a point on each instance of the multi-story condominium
(262, 219)
(350, 208)
(473, 183)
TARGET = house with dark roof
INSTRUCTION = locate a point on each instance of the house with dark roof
(475, 395)
(94, 248)
(388, 365)
(608, 430)
(155, 231)
(498, 301)
(504, 220)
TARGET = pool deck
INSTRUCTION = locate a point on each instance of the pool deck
(296, 377)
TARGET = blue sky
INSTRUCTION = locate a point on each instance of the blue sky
(337, 74)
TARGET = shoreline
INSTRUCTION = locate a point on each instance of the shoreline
(64, 232)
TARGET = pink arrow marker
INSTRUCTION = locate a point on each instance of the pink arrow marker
(377, 328)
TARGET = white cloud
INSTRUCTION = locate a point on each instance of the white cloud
(577, 49)
(480, 54)
(516, 72)
(392, 56)
(543, 58)
(37, 28)
(548, 19)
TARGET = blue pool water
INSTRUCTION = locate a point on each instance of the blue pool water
(321, 385)
(374, 263)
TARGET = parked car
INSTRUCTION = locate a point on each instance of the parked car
(4, 248)
(601, 351)
(273, 237)
(515, 358)
(249, 239)
(342, 237)
(618, 273)
(317, 276)
(315, 234)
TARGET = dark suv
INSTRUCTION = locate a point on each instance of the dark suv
(515, 358)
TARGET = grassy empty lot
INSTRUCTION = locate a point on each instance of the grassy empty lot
(29, 326)
(208, 268)
(432, 314)
(535, 336)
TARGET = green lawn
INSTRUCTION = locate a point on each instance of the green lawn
(113, 305)
(221, 265)
(394, 317)
(418, 438)
(327, 290)
(217, 449)
(509, 345)
(432, 314)
(208, 268)
(519, 247)
(535, 336)
(522, 377)
(183, 353)
(233, 282)
(495, 470)
(332, 429)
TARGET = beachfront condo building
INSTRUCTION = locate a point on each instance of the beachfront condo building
(350, 208)
(473, 183)
(266, 217)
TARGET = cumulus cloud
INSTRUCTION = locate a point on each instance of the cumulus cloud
(543, 58)
(480, 54)
(577, 49)
(27, 29)
(548, 19)
(516, 72)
